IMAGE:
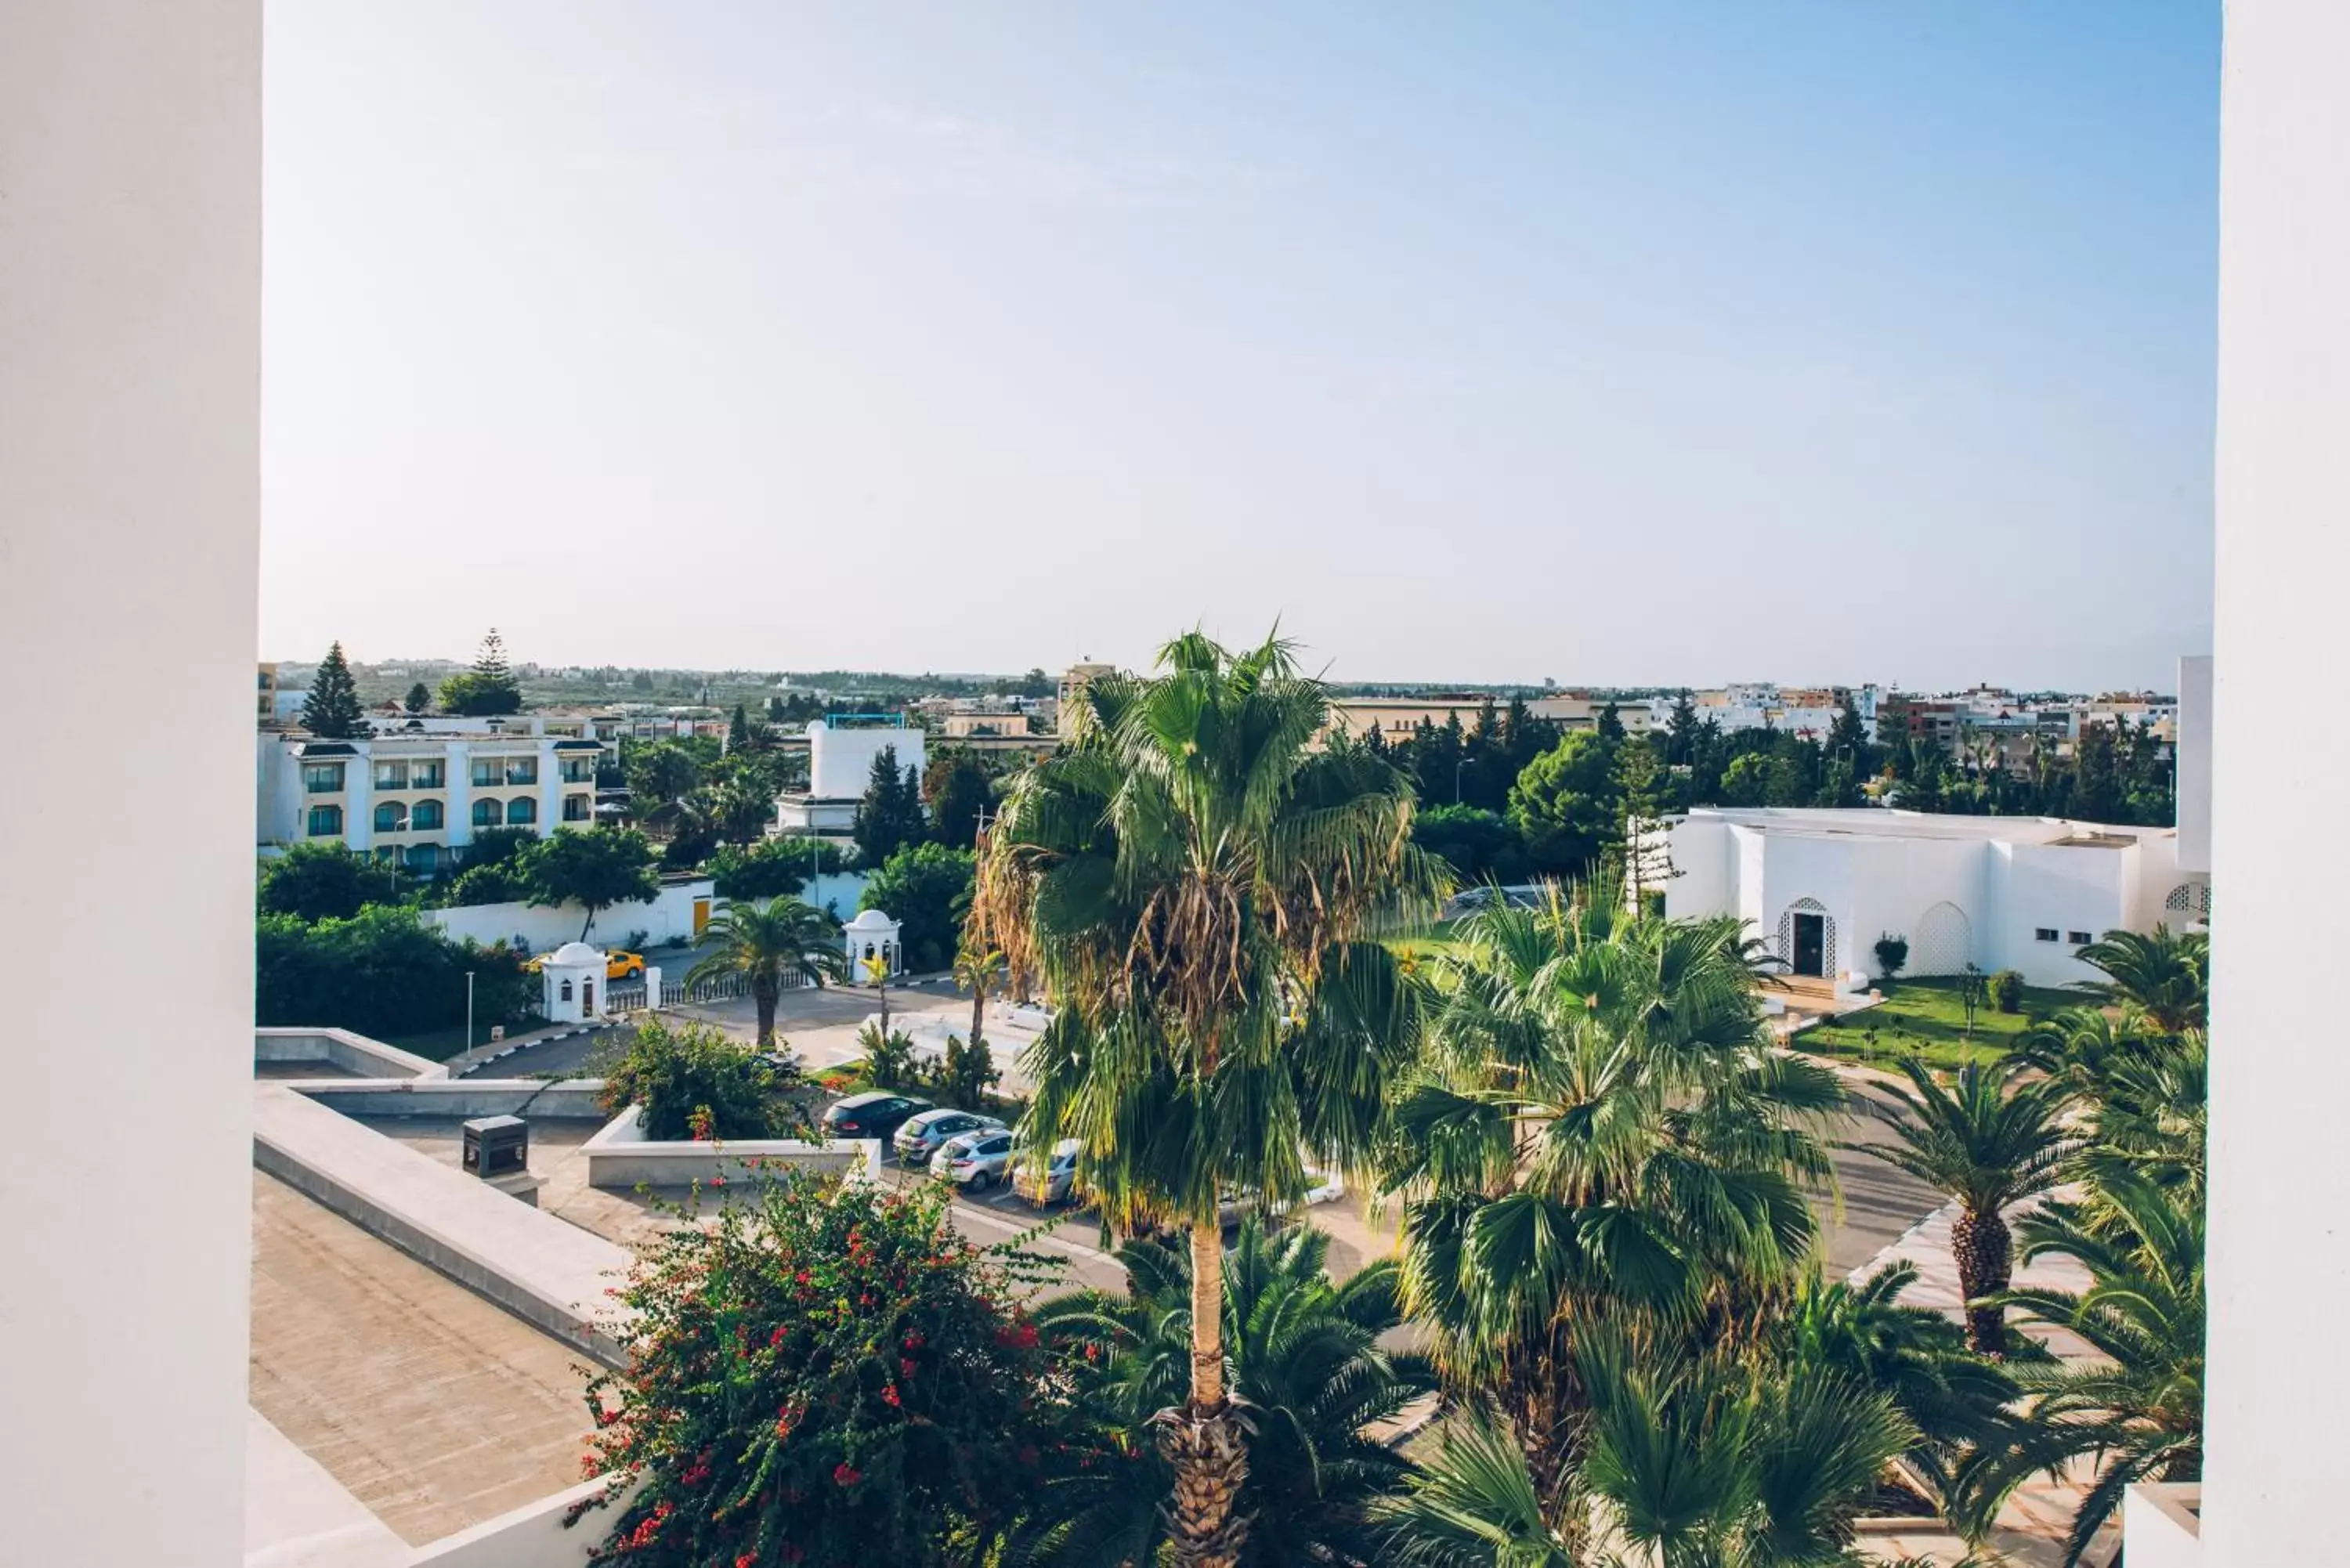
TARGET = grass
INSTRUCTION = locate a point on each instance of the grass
(1428, 941)
(1927, 1018)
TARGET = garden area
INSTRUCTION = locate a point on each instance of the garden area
(1927, 1018)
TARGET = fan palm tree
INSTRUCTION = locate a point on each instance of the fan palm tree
(2167, 976)
(1989, 1141)
(1599, 1123)
(1303, 1351)
(2140, 1408)
(1707, 1461)
(976, 969)
(780, 941)
(1199, 889)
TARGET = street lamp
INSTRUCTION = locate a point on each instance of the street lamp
(1459, 762)
(469, 1009)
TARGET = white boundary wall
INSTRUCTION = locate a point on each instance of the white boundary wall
(130, 526)
(669, 918)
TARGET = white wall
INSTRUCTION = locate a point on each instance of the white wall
(2194, 764)
(669, 918)
(840, 761)
(2280, 1255)
(129, 515)
(2070, 889)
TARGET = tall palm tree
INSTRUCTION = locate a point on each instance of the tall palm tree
(1989, 1140)
(1199, 889)
(2166, 975)
(976, 969)
(1303, 1350)
(1705, 1460)
(2140, 1408)
(1599, 1125)
(772, 944)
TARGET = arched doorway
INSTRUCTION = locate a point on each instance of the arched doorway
(1807, 938)
(1945, 942)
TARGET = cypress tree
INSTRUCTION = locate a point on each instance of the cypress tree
(419, 697)
(332, 710)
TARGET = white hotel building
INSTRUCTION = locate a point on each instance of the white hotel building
(419, 796)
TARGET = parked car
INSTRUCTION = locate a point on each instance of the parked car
(876, 1113)
(1054, 1183)
(920, 1137)
(1321, 1186)
(977, 1161)
(618, 965)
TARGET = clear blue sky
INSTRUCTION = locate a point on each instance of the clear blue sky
(1612, 343)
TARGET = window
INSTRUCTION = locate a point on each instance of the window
(2044, 933)
(567, 990)
(427, 775)
(485, 814)
(521, 811)
(575, 808)
(578, 770)
(521, 770)
(322, 778)
(2079, 938)
(391, 775)
(427, 816)
(391, 817)
(488, 772)
(326, 821)
(424, 859)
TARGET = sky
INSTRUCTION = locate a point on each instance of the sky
(1663, 344)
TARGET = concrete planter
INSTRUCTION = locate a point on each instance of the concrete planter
(622, 1157)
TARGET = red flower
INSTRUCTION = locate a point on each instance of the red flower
(844, 1474)
(906, 1368)
(890, 1396)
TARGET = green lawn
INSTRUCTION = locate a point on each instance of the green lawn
(1928, 1018)
(1427, 942)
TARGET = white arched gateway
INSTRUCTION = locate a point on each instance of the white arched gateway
(1807, 938)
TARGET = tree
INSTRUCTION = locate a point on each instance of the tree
(695, 1082)
(780, 941)
(891, 815)
(1600, 1126)
(1564, 803)
(977, 968)
(1200, 889)
(738, 728)
(772, 867)
(1480, 845)
(419, 699)
(332, 710)
(1302, 1349)
(967, 1073)
(487, 689)
(822, 1373)
(926, 888)
(2165, 976)
(322, 882)
(1989, 1140)
(595, 867)
(1643, 792)
(1681, 731)
(660, 774)
(957, 783)
(1892, 951)
(383, 972)
(2137, 1410)
(1610, 726)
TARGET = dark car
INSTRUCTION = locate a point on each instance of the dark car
(920, 1137)
(875, 1114)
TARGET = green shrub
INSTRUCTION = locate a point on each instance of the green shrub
(889, 1059)
(1892, 952)
(967, 1075)
(2007, 990)
(696, 1082)
(383, 971)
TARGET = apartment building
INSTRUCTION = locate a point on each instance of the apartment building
(1396, 718)
(419, 796)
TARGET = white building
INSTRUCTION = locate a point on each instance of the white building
(421, 796)
(840, 766)
(1999, 892)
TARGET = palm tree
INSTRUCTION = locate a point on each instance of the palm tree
(1303, 1352)
(1989, 1141)
(1199, 889)
(1599, 1125)
(977, 968)
(2140, 1408)
(1706, 1460)
(2165, 976)
(778, 941)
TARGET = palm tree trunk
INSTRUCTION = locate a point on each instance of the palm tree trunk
(1985, 1252)
(764, 995)
(1206, 1441)
(978, 1013)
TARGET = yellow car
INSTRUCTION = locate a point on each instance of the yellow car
(617, 964)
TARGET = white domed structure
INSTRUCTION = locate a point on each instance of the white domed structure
(871, 939)
(572, 980)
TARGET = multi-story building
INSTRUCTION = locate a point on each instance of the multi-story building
(1397, 718)
(419, 794)
(1073, 689)
(840, 765)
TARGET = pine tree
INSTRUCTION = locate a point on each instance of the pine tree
(891, 815)
(1681, 731)
(419, 697)
(1611, 724)
(738, 728)
(332, 710)
(487, 689)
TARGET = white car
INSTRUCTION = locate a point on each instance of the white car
(1321, 1186)
(1055, 1182)
(975, 1160)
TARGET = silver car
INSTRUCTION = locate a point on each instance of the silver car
(1054, 1183)
(975, 1160)
(920, 1136)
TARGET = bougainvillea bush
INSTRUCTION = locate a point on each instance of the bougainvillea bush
(822, 1374)
(696, 1081)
